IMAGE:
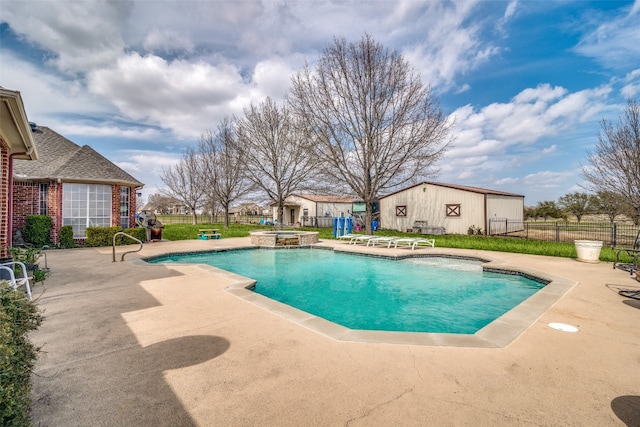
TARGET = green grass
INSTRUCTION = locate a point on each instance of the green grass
(498, 244)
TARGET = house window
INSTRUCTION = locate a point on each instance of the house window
(86, 205)
(124, 207)
(453, 210)
(305, 212)
(401, 211)
(43, 197)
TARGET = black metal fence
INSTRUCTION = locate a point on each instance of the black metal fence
(214, 219)
(613, 234)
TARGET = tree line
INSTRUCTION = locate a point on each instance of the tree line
(360, 122)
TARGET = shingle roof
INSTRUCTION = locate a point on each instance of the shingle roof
(60, 158)
(327, 198)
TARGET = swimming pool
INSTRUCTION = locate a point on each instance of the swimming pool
(428, 294)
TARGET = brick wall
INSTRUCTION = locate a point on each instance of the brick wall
(115, 205)
(25, 202)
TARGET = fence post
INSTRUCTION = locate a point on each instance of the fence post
(614, 235)
(557, 233)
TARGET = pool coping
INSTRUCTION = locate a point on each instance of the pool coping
(497, 334)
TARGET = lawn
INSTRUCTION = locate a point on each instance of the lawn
(499, 244)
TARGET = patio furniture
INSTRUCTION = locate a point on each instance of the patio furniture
(633, 252)
(411, 242)
(381, 239)
(8, 273)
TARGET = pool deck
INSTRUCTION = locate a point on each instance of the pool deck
(129, 343)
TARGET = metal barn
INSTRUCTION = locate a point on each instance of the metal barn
(437, 208)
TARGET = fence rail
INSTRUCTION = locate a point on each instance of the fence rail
(612, 234)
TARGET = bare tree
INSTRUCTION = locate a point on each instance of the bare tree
(375, 124)
(223, 171)
(610, 204)
(614, 163)
(277, 157)
(184, 181)
(161, 203)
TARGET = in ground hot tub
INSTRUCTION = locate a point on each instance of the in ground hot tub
(274, 239)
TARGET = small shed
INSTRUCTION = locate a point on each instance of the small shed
(437, 208)
(311, 210)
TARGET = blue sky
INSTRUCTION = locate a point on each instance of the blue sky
(527, 82)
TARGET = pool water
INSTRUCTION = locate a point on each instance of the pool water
(434, 294)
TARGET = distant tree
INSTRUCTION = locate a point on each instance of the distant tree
(223, 175)
(161, 203)
(578, 204)
(374, 123)
(548, 209)
(277, 157)
(184, 181)
(530, 212)
(614, 164)
(610, 204)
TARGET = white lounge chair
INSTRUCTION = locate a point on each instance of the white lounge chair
(8, 274)
(381, 239)
(360, 238)
(413, 242)
(348, 236)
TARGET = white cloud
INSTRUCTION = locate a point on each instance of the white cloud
(614, 43)
(169, 41)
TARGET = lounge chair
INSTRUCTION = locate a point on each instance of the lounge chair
(413, 242)
(360, 238)
(381, 239)
(633, 252)
(7, 272)
(348, 236)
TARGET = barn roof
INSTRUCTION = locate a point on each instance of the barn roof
(458, 187)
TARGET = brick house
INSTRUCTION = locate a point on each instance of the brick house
(73, 185)
(16, 142)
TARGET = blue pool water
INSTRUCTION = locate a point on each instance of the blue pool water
(439, 295)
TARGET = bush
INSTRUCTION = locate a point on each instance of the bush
(18, 316)
(66, 237)
(37, 230)
(139, 233)
(103, 236)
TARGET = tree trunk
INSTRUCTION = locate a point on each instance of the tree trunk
(226, 216)
(368, 217)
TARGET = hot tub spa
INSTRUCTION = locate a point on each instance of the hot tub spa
(276, 239)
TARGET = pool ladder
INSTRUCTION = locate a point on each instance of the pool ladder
(124, 253)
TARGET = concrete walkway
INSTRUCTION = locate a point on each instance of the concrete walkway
(134, 344)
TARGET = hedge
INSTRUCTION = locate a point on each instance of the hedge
(103, 236)
(18, 316)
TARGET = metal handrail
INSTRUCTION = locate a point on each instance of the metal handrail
(128, 252)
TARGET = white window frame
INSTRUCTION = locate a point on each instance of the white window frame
(86, 205)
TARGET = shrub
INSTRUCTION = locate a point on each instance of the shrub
(139, 233)
(66, 237)
(103, 236)
(37, 230)
(18, 316)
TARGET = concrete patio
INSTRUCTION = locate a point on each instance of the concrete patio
(129, 343)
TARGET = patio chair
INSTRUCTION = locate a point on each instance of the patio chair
(7, 272)
(360, 238)
(413, 242)
(348, 236)
(630, 293)
(381, 239)
(633, 252)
